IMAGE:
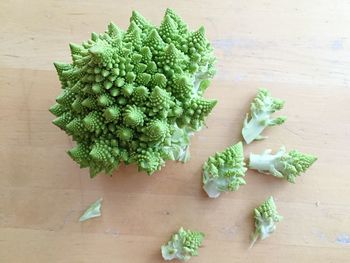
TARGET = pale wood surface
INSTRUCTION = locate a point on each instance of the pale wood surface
(300, 50)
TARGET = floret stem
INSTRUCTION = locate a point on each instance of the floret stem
(253, 238)
(265, 228)
(212, 188)
(253, 128)
(184, 155)
(267, 162)
(262, 163)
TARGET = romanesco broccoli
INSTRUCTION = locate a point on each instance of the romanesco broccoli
(224, 171)
(183, 245)
(135, 96)
(259, 118)
(265, 216)
(282, 164)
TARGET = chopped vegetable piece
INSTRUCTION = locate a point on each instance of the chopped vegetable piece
(282, 164)
(224, 171)
(94, 210)
(183, 245)
(260, 116)
(266, 217)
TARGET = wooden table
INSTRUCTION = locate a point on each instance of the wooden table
(300, 50)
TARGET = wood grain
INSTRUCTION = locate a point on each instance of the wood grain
(297, 49)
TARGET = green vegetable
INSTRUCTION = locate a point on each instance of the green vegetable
(259, 118)
(266, 217)
(282, 164)
(224, 171)
(94, 210)
(183, 245)
(135, 96)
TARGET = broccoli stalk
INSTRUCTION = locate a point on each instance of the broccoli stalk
(282, 164)
(183, 245)
(259, 118)
(265, 216)
(224, 171)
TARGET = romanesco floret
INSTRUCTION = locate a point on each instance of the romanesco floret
(265, 217)
(183, 245)
(259, 118)
(135, 96)
(282, 164)
(224, 171)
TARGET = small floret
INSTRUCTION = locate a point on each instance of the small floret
(183, 245)
(266, 217)
(224, 171)
(260, 116)
(282, 164)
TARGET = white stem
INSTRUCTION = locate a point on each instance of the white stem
(211, 188)
(261, 162)
(254, 239)
(184, 155)
(252, 131)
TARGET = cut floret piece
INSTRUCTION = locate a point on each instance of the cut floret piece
(266, 217)
(259, 118)
(224, 171)
(282, 164)
(94, 210)
(183, 245)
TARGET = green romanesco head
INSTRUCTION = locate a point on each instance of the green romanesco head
(224, 171)
(266, 217)
(135, 96)
(294, 163)
(183, 245)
